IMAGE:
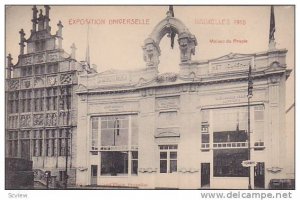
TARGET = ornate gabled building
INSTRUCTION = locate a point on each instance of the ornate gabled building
(186, 130)
(41, 111)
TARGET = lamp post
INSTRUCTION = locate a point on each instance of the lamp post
(250, 89)
(116, 131)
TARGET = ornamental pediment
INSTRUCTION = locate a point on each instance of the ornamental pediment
(231, 56)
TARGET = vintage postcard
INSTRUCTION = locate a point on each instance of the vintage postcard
(149, 97)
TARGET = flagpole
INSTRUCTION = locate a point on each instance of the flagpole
(250, 88)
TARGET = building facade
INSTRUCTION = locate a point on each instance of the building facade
(186, 130)
(41, 106)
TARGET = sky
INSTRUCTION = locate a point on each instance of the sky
(119, 46)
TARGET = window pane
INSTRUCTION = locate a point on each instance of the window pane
(173, 155)
(227, 163)
(173, 166)
(205, 138)
(230, 136)
(163, 166)
(134, 155)
(114, 163)
(134, 167)
(163, 155)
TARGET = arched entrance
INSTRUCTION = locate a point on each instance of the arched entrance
(186, 41)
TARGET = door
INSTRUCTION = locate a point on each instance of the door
(94, 172)
(205, 175)
(259, 175)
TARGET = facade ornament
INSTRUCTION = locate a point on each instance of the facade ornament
(274, 170)
(38, 120)
(166, 77)
(187, 43)
(52, 80)
(151, 53)
(14, 84)
(38, 82)
(66, 78)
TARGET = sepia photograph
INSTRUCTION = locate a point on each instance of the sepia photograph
(149, 97)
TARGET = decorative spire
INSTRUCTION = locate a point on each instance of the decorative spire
(9, 66)
(73, 51)
(272, 43)
(34, 18)
(59, 34)
(87, 53)
(22, 40)
(41, 21)
(47, 18)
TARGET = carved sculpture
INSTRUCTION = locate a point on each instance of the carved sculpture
(187, 43)
(151, 53)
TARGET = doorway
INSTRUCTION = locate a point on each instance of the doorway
(259, 175)
(94, 172)
(205, 175)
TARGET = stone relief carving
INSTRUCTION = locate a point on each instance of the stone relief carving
(51, 119)
(14, 84)
(66, 78)
(166, 77)
(151, 53)
(53, 57)
(27, 60)
(167, 103)
(40, 58)
(26, 83)
(25, 120)
(38, 120)
(51, 80)
(38, 82)
(187, 43)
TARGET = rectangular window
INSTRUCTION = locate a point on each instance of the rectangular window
(227, 163)
(12, 147)
(230, 119)
(13, 101)
(64, 141)
(134, 162)
(116, 163)
(37, 142)
(95, 130)
(259, 125)
(25, 144)
(168, 158)
(116, 131)
(50, 142)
